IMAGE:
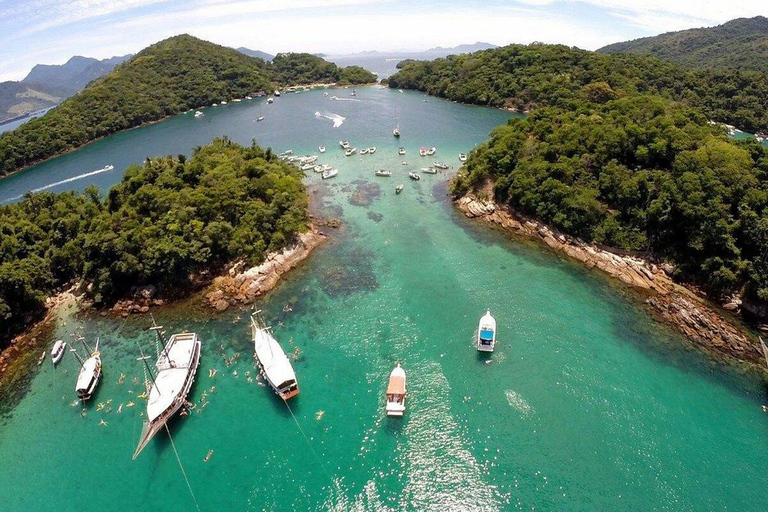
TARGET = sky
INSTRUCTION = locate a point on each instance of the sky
(51, 31)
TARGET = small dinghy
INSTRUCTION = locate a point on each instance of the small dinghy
(486, 333)
(330, 174)
(401, 151)
(462, 157)
(396, 392)
(57, 352)
(383, 172)
(422, 151)
(321, 148)
(414, 176)
(350, 152)
(398, 189)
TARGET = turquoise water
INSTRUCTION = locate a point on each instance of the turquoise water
(585, 405)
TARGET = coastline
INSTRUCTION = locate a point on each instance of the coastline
(672, 303)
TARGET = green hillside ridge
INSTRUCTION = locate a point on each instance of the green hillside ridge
(739, 44)
(169, 219)
(527, 77)
(166, 78)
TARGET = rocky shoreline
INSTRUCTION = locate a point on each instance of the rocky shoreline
(683, 308)
(242, 285)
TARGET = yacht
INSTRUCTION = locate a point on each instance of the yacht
(462, 157)
(90, 373)
(396, 392)
(486, 333)
(260, 118)
(175, 372)
(57, 352)
(422, 151)
(371, 150)
(431, 151)
(273, 363)
(321, 148)
(199, 114)
(414, 175)
(440, 165)
(401, 151)
(330, 173)
(345, 144)
(383, 172)
(398, 189)
(429, 170)
(350, 152)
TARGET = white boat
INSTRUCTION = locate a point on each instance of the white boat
(396, 392)
(330, 173)
(57, 352)
(310, 159)
(307, 167)
(199, 114)
(350, 152)
(414, 176)
(431, 151)
(260, 118)
(109, 167)
(269, 100)
(287, 152)
(176, 368)
(353, 93)
(223, 102)
(277, 93)
(90, 374)
(462, 157)
(344, 144)
(422, 151)
(401, 151)
(248, 97)
(396, 131)
(371, 150)
(383, 172)
(237, 100)
(273, 363)
(321, 148)
(364, 151)
(440, 165)
(486, 333)
(429, 170)
(398, 189)
(215, 105)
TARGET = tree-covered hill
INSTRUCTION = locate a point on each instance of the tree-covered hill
(167, 220)
(527, 77)
(640, 173)
(740, 44)
(166, 78)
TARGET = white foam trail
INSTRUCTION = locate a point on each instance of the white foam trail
(344, 99)
(62, 182)
(335, 118)
(518, 402)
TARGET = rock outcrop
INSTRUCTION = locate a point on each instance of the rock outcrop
(672, 302)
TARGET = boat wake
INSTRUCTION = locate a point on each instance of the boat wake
(518, 402)
(106, 168)
(335, 118)
(336, 98)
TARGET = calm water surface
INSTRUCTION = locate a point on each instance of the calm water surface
(585, 405)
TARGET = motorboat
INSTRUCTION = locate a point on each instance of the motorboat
(486, 333)
(277, 93)
(57, 352)
(273, 364)
(330, 173)
(414, 175)
(350, 152)
(260, 118)
(199, 114)
(398, 189)
(396, 131)
(345, 144)
(371, 150)
(269, 100)
(431, 151)
(383, 172)
(440, 165)
(396, 392)
(108, 167)
(462, 157)
(422, 151)
(364, 151)
(249, 97)
(401, 151)
(321, 148)
(307, 167)
(175, 371)
(223, 102)
(428, 170)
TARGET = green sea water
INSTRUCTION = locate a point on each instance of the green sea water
(586, 404)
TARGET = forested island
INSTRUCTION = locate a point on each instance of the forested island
(539, 75)
(164, 79)
(172, 222)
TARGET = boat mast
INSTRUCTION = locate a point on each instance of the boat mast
(144, 358)
(158, 331)
(82, 340)
(74, 351)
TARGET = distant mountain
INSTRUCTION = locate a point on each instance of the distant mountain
(48, 85)
(740, 44)
(256, 53)
(462, 48)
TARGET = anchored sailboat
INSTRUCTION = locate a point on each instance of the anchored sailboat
(90, 372)
(176, 368)
(273, 363)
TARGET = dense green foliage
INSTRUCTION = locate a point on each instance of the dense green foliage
(168, 220)
(527, 77)
(739, 44)
(356, 75)
(640, 174)
(166, 78)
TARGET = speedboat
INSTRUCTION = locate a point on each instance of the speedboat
(274, 365)
(422, 151)
(383, 172)
(431, 151)
(307, 167)
(199, 114)
(90, 374)
(344, 144)
(440, 165)
(414, 175)
(277, 93)
(462, 157)
(310, 159)
(223, 102)
(398, 189)
(429, 170)
(248, 97)
(269, 100)
(260, 118)
(109, 167)
(330, 173)
(175, 368)
(321, 148)
(396, 132)
(215, 105)
(350, 152)
(371, 150)
(364, 151)
(57, 352)
(237, 100)
(486, 333)
(401, 151)
(396, 392)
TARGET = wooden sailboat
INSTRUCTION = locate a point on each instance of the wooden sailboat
(176, 369)
(90, 372)
(273, 363)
